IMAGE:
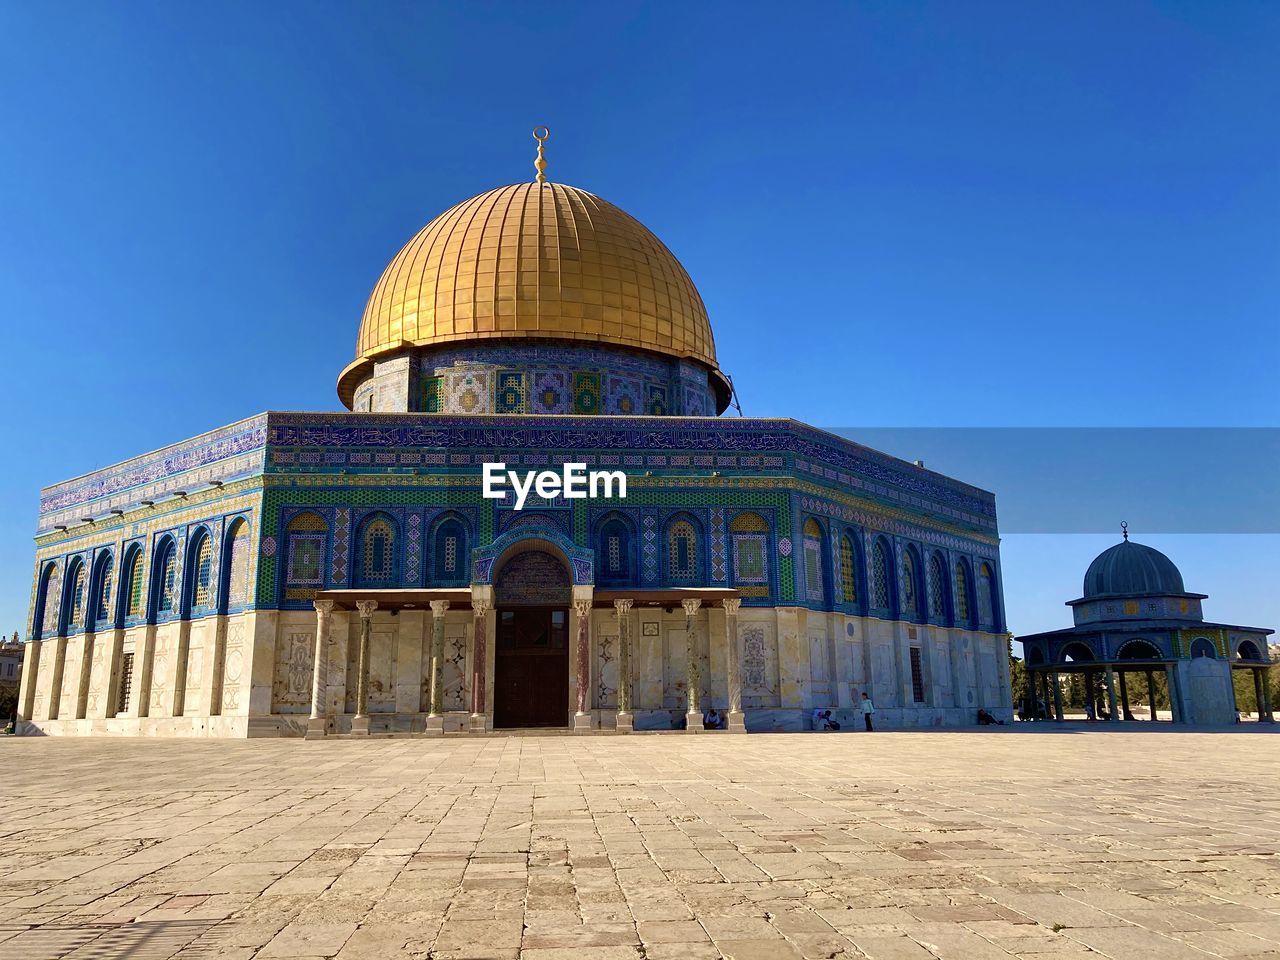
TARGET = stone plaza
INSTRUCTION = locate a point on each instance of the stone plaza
(1033, 841)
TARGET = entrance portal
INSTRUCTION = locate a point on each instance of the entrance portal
(531, 668)
(531, 655)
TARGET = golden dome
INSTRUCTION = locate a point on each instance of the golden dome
(534, 261)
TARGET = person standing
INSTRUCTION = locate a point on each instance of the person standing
(868, 708)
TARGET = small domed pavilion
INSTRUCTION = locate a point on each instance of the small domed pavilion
(1136, 617)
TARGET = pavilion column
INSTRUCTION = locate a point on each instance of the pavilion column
(625, 721)
(693, 676)
(479, 662)
(1259, 687)
(737, 719)
(1057, 696)
(1175, 708)
(360, 722)
(1124, 696)
(1111, 695)
(1266, 698)
(582, 665)
(317, 723)
(1151, 692)
(435, 704)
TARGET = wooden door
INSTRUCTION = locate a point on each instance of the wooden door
(531, 671)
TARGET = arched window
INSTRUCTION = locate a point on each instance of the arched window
(100, 594)
(166, 579)
(235, 560)
(50, 606)
(201, 572)
(910, 606)
(76, 590)
(880, 576)
(452, 558)
(986, 595)
(1248, 650)
(962, 592)
(813, 560)
(305, 560)
(131, 586)
(1203, 647)
(750, 538)
(614, 551)
(378, 552)
(682, 552)
(937, 599)
(848, 570)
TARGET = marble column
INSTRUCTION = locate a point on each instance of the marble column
(622, 610)
(582, 665)
(1125, 712)
(318, 722)
(1151, 693)
(737, 721)
(435, 703)
(1057, 696)
(360, 722)
(1175, 707)
(1267, 714)
(1259, 688)
(693, 676)
(1112, 712)
(479, 661)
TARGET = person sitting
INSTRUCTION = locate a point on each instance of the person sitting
(985, 719)
(711, 720)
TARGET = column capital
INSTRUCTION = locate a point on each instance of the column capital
(323, 607)
(582, 607)
(480, 607)
(623, 607)
(690, 606)
(439, 608)
(366, 608)
(731, 605)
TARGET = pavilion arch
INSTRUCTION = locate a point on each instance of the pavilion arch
(581, 560)
(1247, 650)
(100, 585)
(1035, 657)
(199, 586)
(165, 588)
(615, 543)
(237, 546)
(1139, 650)
(378, 551)
(48, 601)
(1077, 651)
(75, 590)
(451, 541)
(1203, 648)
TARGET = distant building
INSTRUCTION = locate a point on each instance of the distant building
(10, 665)
(1137, 619)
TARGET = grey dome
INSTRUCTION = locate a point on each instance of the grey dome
(1131, 568)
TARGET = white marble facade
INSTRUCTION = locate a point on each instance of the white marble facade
(252, 674)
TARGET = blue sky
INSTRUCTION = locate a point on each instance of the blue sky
(899, 214)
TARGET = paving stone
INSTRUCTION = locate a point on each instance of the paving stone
(902, 846)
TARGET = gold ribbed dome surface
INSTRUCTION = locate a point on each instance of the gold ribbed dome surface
(540, 261)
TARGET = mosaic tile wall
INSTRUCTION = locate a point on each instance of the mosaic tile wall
(553, 378)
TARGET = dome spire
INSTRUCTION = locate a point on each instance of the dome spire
(540, 164)
(1124, 528)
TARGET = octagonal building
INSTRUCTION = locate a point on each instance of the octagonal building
(343, 573)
